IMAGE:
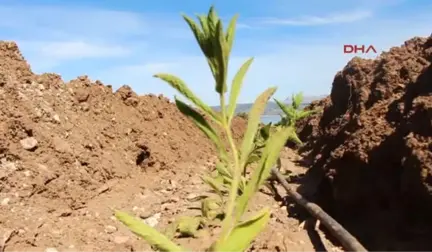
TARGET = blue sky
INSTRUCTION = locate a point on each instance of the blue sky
(297, 45)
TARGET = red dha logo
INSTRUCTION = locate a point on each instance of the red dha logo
(357, 49)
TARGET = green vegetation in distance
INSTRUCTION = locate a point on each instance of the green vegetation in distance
(237, 231)
(293, 113)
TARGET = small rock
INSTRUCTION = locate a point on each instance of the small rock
(165, 191)
(29, 143)
(27, 173)
(61, 145)
(121, 239)
(144, 215)
(51, 250)
(8, 166)
(85, 107)
(81, 95)
(153, 220)
(110, 229)
(191, 196)
(56, 118)
(5, 202)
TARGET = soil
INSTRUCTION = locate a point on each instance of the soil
(372, 144)
(72, 152)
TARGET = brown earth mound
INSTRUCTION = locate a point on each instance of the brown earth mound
(373, 143)
(62, 143)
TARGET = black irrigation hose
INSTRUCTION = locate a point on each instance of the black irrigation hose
(348, 241)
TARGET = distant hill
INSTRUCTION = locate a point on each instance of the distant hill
(272, 108)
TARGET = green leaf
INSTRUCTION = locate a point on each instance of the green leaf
(265, 131)
(221, 59)
(290, 112)
(202, 124)
(236, 87)
(283, 107)
(227, 180)
(306, 113)
(211, 208)
(219, 178)
(212, 21)
(268, 159)
(297, 100)
(242, 184)
(294, 138)
(181, 87)
(151, 235)
(212, 18)
(188, 226)
(244, 233)
(254, 120)
(230, 33)
(204, 26)
(171, 230)
(223, 170)
(200, 37)
(253, 158)
(216, 186)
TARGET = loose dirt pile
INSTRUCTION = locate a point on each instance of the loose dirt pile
(373, 143)
(62, 144)
(83, 134)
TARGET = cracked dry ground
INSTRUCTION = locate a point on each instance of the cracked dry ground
(70, 152)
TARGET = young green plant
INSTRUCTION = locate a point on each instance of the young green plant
(237, 231)
(293, 113)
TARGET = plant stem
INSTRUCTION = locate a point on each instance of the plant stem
(228, 220)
